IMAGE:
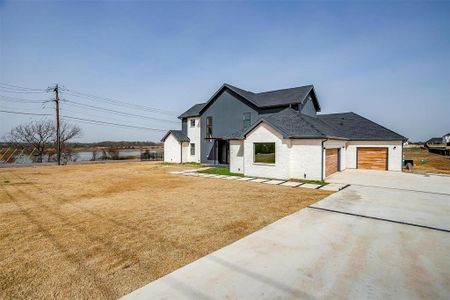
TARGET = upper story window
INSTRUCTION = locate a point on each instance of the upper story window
(209, 128)
(192, 122)
(247, 118)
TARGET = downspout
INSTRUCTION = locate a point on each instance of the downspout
(321, 164)
(401, 160)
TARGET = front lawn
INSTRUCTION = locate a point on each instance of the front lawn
(220, 171)
(100, 231)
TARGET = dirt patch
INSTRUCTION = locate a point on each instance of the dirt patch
(101, 231)
(432, 163)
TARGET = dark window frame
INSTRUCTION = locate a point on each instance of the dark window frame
(192, 148)
(264, 161)
(209, 127)
(192, 122)
(246, 120)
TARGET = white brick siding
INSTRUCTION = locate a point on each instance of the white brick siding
(172, 150)
(305, 158)
(193, 134)
(237, 156)
(261, 134)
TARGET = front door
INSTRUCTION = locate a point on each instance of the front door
(224, 152)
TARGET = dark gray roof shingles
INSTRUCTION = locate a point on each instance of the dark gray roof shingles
(178, 134)
(274, 98)
(194, 111)
(355, 127)
(349, 126)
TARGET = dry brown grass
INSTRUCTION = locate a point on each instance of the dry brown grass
(101, 231)
(436, 163)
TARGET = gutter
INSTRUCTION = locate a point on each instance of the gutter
(321, 164)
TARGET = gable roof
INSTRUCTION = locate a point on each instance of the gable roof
(194, 111)
(293, 124)
(277, 97)
(177, 134)
(284, 97)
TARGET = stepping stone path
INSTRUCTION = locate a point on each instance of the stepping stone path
(291, 184)
(245, 178)
(334, 187)
(259, 180)
(274, 182)
(311, 186)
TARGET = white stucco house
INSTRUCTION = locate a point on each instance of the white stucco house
(280, 134)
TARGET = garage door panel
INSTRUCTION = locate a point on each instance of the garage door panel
(372, 158)
(331, 161)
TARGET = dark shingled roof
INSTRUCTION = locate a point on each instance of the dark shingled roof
(261, 100)
(178, 134)
(194, 111)
(355, 127)
(435, 140)
(274, 98)
(349, 126)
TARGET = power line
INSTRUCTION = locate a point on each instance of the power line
(74, 111)
(19, 100)
(16, 87)
(85, 120)
(114, 124)
(117, 112)
(23, 113)
(119, 102)
(7, 90)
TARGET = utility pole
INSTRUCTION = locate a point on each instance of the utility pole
(58, 141)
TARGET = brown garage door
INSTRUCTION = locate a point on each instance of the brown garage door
(331, 161)
(372, 158)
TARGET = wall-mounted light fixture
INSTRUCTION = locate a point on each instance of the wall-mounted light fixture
(395, 147)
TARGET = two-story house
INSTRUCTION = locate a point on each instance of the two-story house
(280, 134)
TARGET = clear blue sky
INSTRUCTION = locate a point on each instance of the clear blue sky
(388, 61)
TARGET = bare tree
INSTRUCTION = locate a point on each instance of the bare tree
(41, 134)
(37, 134)
(67, 132)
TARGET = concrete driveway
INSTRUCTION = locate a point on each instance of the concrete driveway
(384, 237)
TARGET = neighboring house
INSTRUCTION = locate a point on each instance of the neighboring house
(439, 141)
(434, 141)
(446, 139)
(439, 145)
(279, 134)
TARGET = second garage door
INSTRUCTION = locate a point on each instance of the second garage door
(331, 161)
(372, 158)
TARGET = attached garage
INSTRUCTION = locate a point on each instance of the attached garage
(331, 161)
(373, 158)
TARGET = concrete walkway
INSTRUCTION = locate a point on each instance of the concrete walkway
(363, 242)
(293, 184)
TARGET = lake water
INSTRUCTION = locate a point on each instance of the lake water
(83, 156)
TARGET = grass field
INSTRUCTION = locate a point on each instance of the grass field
(101, 231)
(435, 163)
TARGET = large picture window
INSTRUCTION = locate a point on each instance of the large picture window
(264, 153)
(209, 127)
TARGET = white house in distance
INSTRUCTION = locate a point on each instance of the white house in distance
(280, 134)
